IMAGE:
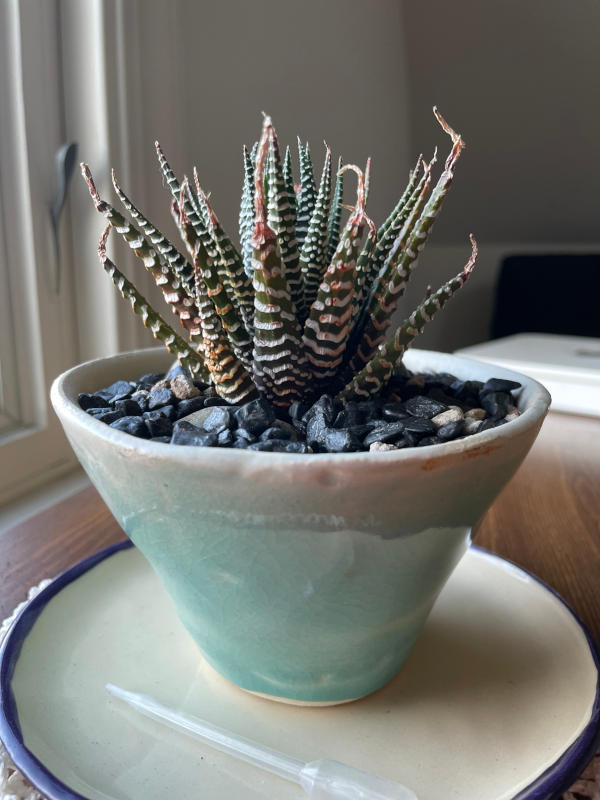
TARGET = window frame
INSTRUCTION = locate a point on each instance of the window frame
(41, 341)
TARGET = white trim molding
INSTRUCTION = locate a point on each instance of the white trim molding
(42, 337)
(99, 43)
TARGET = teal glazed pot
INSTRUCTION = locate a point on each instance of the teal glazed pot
(304, 578)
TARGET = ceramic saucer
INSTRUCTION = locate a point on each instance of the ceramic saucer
(499, 700)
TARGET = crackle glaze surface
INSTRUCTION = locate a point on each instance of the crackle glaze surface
(300, 577)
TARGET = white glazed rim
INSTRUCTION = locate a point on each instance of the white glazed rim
(64, 393)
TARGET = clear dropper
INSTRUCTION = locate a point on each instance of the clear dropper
(321, 780)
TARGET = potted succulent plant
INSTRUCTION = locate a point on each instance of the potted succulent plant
(331, 480)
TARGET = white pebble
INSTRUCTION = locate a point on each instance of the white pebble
(446, 417)
(381, 447)
(476, 413)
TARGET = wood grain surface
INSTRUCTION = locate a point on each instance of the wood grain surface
(546, 520)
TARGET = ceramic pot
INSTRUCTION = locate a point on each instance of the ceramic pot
(305, 578)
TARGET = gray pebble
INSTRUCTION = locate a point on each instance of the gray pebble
(183, 387)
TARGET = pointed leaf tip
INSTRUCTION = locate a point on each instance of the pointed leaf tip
(360, 192)
(456, 137)
(87, 176)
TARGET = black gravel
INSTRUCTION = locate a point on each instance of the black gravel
(423, 406)
(136, 426)
(255, 416)
(416, 411)
(218, 420)
(160, 397)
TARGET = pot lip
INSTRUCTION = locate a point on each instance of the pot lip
(64, 401)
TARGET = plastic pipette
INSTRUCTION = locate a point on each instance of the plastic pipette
(321, 780)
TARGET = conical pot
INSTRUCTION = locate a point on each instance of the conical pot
(305, 578)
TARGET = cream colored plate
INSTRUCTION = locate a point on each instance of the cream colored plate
(501, 683)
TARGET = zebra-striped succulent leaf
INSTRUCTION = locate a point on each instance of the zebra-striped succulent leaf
(237, 281)
(307, 195)
(281, 217)
(207, 277)
(161, 330)
(229, 376)
(328, 325)
(173, 292)
(178, 264)
(303, 308)
(279, 361)
(375, 374)
(246, 218)
(335, 213)
(313, 257)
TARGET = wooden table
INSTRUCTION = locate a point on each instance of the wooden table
(547, 520)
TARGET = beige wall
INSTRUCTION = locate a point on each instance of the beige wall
(323, 69)
(521, 81)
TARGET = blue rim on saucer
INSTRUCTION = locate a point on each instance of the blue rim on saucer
(555, 779)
